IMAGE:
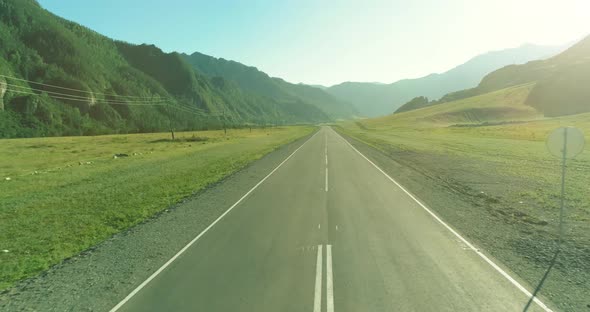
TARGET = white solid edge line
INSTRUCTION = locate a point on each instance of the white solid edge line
(326, 154)
(448, 227)
(329, 282)
(317, 299)
(142, 285)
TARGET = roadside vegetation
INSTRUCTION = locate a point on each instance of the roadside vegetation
(62, 195)
(482, 164)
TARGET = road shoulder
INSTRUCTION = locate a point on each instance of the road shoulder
(453, 210)
(100, 277)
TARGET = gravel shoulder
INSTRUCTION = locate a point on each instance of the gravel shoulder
(100, 277)
(526, 254)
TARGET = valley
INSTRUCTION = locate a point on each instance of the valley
(140, 176)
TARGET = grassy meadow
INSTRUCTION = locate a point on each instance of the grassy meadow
(484, 158)
(62, 195)
(483, 165)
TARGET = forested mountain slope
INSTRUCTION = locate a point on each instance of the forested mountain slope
(60, 78)
(254, 80)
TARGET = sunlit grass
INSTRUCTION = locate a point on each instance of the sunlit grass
(503, 105)
(503, 175)
(514, 150)
(59, 196)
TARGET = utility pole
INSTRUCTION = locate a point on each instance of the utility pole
(565, 142)
(170, 120)
(276, 118)
(562, 199)
(224, 128)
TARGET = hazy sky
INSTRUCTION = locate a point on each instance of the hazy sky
(328, 42)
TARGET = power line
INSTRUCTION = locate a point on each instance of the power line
(179, 107)
(71, 89)
(194, 108)
(65, 96)
(119, 99)
(86, 100)
(148, 101)
(77, 97)
(184, 109)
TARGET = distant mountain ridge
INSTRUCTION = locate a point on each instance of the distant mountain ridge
(557, 86)
(381, 99)
(251, 79)
(560, 82)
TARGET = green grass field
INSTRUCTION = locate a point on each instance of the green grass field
(60, 196)
(497, 184)
(515, 152)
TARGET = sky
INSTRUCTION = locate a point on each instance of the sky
(331, 41)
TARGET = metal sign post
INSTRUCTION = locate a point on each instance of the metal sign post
(565, 142)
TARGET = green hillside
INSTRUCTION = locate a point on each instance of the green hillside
(502, 106)
(280, 91)
(60, 78)
(415, 103)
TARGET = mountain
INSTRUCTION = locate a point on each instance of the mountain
(251, 79)
(557, 85)
(381, 99)
(565, 91)
(60, 78)
(560, 82)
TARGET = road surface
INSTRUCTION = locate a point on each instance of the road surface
(328, 231)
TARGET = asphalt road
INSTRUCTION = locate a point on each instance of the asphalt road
(328, 231)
